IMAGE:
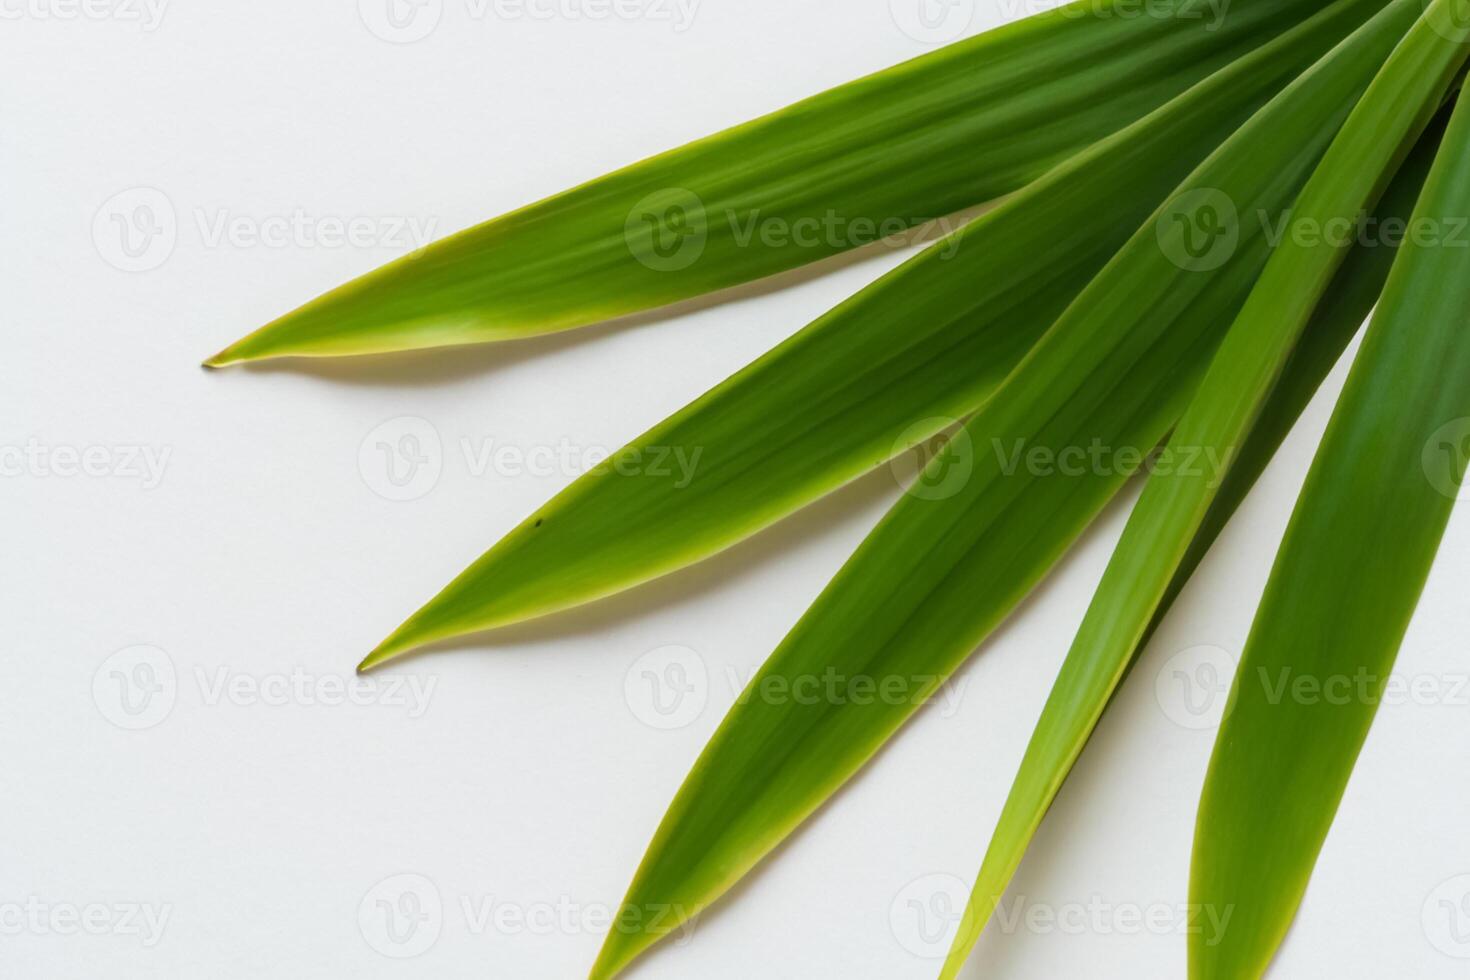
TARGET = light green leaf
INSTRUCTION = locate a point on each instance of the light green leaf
(897, 149)
(1349, 575)
(901, 361)
(956, 555)
(1093, 671)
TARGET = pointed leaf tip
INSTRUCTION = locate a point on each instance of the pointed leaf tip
(389, 649)
(405, 639)
(222, 359)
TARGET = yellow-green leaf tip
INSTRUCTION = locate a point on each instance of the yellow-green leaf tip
(232, 354)
(401, 642)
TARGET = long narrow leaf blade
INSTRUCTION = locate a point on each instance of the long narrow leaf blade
(1349, 575)
(1080, 696)
(942, 570)
(1339, 317)
(925, 345)
(900, 148)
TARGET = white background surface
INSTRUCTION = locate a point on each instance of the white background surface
(522, 779)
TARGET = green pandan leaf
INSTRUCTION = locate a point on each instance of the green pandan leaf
(1176, 507)
(899, 362)
(984, 524)
(1348, 578)
(898, 149)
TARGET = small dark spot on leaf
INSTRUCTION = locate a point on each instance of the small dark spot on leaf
(539, 521)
